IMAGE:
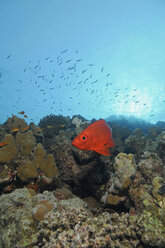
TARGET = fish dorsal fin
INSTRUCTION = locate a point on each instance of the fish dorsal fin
(100, 121)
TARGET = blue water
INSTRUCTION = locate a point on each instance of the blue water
(93, 58)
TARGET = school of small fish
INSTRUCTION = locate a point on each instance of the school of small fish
(51, 77)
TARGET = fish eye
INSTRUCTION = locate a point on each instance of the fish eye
(84, 137)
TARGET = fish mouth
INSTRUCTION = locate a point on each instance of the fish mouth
(73, 143)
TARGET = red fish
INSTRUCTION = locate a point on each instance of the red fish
(96, 137)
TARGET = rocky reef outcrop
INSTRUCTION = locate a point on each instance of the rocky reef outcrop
(54, 195)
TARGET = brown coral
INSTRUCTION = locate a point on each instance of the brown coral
(41, 209)
(15, 122)
(9, 151)
(44, 162)
(25, 142)
(27, 171)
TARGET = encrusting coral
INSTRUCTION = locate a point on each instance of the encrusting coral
(25, 142)
(125, 168)
(15, 123)
(42, 208)
(45, 162)
(9, 151)
(27, 171)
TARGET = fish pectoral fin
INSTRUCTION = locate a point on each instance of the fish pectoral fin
(103, 150)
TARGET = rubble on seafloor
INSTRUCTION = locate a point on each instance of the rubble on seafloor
(54, 195)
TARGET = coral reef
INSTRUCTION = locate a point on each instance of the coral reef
(73, 198)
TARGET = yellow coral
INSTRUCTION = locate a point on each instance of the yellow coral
(41, 209)
(15, 122)
(44, 162)
(27, 171)
(113, 199)
(39, 154)
(9, 151)
(25, 142)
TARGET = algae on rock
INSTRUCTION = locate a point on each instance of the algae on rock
(125, 167)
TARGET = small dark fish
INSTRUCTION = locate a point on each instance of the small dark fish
(41, 77)
(20, 81)
(47, 58)
(64, 51)
(8, 56)
(51, 61)
(36, 66)
(86, 80)
(94, 81)
(102, 69)
(91, 65)
(78, 60)
(68, 60)
(71, 68)
(108, 74)
(84, 71)
(161, 190)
